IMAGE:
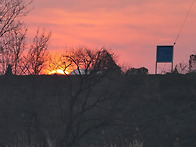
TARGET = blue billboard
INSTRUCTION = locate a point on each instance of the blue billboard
(165, 53)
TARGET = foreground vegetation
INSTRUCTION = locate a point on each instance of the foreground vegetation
(114, 110)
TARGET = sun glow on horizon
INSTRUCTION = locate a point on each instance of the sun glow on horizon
(59, 71)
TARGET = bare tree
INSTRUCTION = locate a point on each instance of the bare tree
(36, 57)
(93, 61)
(15, 43)
(11, 14)
(90, 98)
(181, 68)
(83, 61)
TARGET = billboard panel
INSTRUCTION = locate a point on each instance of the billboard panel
(164, 53)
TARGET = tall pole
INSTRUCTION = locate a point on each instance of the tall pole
(156, 68)
(172, 59)
(156, 63)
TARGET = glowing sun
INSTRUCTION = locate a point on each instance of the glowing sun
(58, 71)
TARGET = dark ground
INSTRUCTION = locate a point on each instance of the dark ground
(158, 110)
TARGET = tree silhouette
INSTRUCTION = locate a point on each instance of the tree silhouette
(11, 14)
(97, 61)
(89, 102)
(141, 70)
(13, 50)
(36, 57)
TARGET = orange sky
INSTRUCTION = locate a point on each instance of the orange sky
(130, 28)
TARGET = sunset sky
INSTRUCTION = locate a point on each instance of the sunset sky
(130, 28)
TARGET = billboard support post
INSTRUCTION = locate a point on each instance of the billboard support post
(156, 68)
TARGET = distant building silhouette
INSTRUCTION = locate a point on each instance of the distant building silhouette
(80, 72)
(9, 70)
(192, 63)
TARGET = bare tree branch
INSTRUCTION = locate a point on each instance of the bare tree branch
(36, 56)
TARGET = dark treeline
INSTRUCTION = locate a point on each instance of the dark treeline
(117, 109)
